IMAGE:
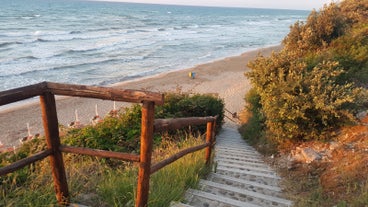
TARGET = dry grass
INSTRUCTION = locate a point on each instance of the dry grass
(340, 181)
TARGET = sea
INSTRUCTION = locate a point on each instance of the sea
(101, 43)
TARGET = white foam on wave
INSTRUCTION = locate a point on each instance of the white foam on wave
(123, 41)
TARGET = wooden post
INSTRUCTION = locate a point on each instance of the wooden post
(209, 139)
(146, 152)
(50, 124)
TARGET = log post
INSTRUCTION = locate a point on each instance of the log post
(209, 139)
(50, 124)
(145, 154)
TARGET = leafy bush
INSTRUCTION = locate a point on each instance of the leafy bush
(310, 87)
(319, 30)
(185, 105)
(122, 133)
(351, 51)
(253, 129)
(322, 27)
(298, 103)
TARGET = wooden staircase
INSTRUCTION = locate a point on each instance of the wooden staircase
(240, 178)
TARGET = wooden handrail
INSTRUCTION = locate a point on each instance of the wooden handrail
(179, 123)
(24, 162)
(177, 156)
(100, 153)
(47, 92)
(105, 93)
(22, 93)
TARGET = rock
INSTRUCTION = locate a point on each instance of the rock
(361, 114)
(333, 145)
(291, 163)
(310, 155)
(294, 159)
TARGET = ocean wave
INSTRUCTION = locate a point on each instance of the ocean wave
(32, 16)
(5, 44)
(120, 79)
(105, 29)
(142, 30)
(87, 50)
(79, 35)
(30, 57)
(180, 28)
(205, 56)
(42, 40)
(75, 32)
(115, 41)
(76, 65)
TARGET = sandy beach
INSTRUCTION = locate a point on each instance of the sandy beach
(224, 77)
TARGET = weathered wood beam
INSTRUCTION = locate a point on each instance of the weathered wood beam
(100, 153)
(177, 156)
(51, 126)
(178, 123)
(24, 162)
(105, 93)
(22, 93)
(209, 139)
(148, 116)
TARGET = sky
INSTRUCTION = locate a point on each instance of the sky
(277, 4)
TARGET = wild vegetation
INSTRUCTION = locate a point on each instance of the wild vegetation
(313, 85)
(308, 94)
(107, 182)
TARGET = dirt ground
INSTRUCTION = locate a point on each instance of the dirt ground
(339, 177)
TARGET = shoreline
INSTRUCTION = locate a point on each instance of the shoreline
(224, 77)
(29, 102)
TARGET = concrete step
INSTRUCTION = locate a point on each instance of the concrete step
(244, 195)
(240, 162)
(239, 154)
(235, 140)
(179, 204)
(238, 149)
(247, 168)
(227, 144)
(204, 199)
(239, 158)
(260, 178)
(245, 184)
(247, 172)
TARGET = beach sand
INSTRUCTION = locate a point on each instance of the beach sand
(223, 77)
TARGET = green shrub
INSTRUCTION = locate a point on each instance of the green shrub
(121, 133)
(299, 103)
(185, 105)
(319, 30)
(311, 87)
(253, 129)
(324, 26)
(351, 51)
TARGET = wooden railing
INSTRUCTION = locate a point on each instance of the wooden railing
(47, 92)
